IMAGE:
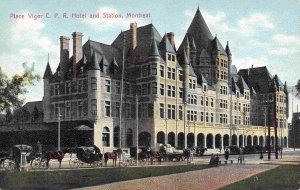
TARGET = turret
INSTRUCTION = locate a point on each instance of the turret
(229, 55)
(215, 47)
(186, 70)
(46, 97)
(153, 49)
(193, 52)
(113, 67)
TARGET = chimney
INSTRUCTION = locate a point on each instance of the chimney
(77, 50)
(133, 30)
(64, 54)
(170, 36)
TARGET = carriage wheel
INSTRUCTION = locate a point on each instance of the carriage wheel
(74, 163)
(9, 164)
(36, 163)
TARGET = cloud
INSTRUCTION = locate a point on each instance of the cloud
(283, 44)
(253, 23)
(286, 40)
(26, 34)
(110, 23)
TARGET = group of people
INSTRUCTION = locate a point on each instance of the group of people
(214, 160)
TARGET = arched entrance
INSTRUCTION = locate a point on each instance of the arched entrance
(144, 139)
(255, 140)
(129, 137)
(190, 140)
(241, 140)
(200, 140)
(218, 139)
(249, 140)
(160, 137)
(234, 140)
(226, 140)
(105, 137)
(171, 139)
(180, 140)
(261, 140)
(209, 141)
(116, 136)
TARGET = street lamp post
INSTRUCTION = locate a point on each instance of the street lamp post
(58, 138)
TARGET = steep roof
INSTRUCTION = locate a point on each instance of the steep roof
(154, 50)
(227, 49)
(217, 46)
(259, 78)
(201, 79)
(165, 45)
(48, 72)
(30, 106)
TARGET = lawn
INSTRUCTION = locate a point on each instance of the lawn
(65, 179)
(283, 177)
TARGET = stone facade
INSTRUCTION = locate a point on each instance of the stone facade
(192, 96)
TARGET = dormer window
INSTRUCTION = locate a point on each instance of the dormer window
(169, 57)
(204, 88)
(237, 94)
(173, 57)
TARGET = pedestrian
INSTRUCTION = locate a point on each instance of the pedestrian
(261, 155)
(226, 154)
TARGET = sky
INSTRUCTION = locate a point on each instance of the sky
(260, 33)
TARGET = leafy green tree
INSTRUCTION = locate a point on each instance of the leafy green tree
(12, 88)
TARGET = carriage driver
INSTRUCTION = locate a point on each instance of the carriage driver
(96, 150)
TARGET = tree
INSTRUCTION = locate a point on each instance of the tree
(11, 88)
(298, 88)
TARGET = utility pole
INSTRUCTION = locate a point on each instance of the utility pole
(137, 129)
(269, 135)
(58, 140)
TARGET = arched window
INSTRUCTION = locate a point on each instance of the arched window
(105, 136)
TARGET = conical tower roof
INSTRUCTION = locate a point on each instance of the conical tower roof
(227, 49)
(48, 72)
(94, 65)
(154, 50)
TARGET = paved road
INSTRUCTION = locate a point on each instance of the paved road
(206, 179)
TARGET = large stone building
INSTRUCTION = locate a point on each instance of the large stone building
(190, 96)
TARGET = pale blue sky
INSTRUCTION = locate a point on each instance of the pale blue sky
(259, 32)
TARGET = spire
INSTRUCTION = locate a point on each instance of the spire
(48, 58)
(215, 45)
(113, 66)
(154, 50)
(228, 50)
(48, 71)
(186, 61)
(187, 43)
(193, 45)
(94, 63)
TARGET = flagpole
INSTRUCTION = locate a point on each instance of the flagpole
(122, 89)
(137, 130)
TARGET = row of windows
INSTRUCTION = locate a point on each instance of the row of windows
(171, 73)
(223, 104)
(192, 84)
(247, 95)
(192, 116)
(69, 109)
(171, 112)
(224, 75)
(69, 87)
(223, 90)
(223, 62)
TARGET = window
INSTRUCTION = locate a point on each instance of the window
(169, 57)
(162, 68)
(194, 84)
(94, 107)
(169, 73)
(173, 74)
(212, 102)
(180, 93)
(169, 90)
(144, 70)
(162, 111)
(180, 75)
(223, 90)
(118, 87)
(201, 100)
(56, 89)
(173, 57)
(80, 85)
(204, 88)
(80, 108)
(107, 108)
(117, 109)
(202, 116)
(169, 111)
(68, 109)
(206, 101)
(162, 89)
(180, 112)
(154, 69)
(154, 88)
(212, 117)
(105, 137)
(207, 117)
(188, 115)
(68, 87)
(173, 112)
(107, 86)
(173, 91)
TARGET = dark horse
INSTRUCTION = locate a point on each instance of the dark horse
(57, 155)
(112, 155)
(186, 154)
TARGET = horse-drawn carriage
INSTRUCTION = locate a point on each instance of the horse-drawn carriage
(17, 157)
(86, 155)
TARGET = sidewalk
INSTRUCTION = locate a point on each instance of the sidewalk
(211, 178)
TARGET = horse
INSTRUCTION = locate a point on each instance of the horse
(57, 155)
(3, 155)
(200, 151)
(186, 154)
(157, 155)
(112, 155)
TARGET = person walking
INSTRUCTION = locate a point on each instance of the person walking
(226, 154)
